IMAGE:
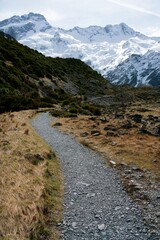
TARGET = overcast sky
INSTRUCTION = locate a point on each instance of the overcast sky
(143, 16)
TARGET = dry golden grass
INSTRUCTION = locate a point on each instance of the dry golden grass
(131, 148)
(25, 187)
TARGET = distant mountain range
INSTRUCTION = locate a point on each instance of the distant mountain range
(119, 53)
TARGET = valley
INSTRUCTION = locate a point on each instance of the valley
(120, 123)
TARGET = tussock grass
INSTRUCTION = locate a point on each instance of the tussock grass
(30, 177)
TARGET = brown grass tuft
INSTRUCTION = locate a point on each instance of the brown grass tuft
(24, 162)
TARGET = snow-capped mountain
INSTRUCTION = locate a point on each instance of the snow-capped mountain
(111, 50)
(110, 33)
(23, 26)
(138, 70)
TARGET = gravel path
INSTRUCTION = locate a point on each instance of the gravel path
(95, 204)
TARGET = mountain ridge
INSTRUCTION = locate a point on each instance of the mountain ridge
(102, 48)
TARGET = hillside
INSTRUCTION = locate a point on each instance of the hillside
(30, 80)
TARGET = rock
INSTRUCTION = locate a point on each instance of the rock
(119, 115)
(137, 169)
(126, 125)
(95, 133)
(122, 164)
(112, 143)
(106, 128)
(113, 129)
(158, 214)
(74, 224)
(143, 130)
(91, 195)
(104, 120)
(109, 134)
(155, 161)
(57, 124)
(113, 162)
(84, 134)
(150, 117)
(156, 131)
(97, 216)
(137, 118)
(101, 227)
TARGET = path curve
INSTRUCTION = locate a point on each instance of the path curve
(95, 205)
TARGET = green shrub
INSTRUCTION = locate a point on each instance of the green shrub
(65, 102)
(73, 110)
(85, 106)
(95, 110)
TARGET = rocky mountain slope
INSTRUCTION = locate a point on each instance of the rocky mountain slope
(105, 49)
(138, 70)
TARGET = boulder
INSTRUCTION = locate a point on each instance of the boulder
(156, 131)
(126, 125)
(143, 130)
(137, 118)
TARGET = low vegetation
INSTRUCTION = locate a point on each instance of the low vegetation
(31, 189)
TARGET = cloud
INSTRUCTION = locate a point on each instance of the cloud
(134, 7)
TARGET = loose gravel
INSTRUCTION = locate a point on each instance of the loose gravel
(95, 204)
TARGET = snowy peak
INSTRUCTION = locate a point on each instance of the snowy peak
(138, 70)
(109, 33)
(25, 25)
(121, 29)
(32, 17)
